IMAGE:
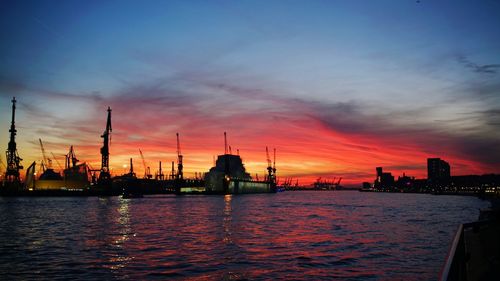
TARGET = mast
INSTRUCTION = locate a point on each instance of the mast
(71, 158)
(131, 172)
(104, 174)
(13, 159)
(274, 163)
(225, 143)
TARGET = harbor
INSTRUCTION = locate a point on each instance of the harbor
(250, 140)
(228, 176)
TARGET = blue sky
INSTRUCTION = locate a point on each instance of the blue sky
(426, 70)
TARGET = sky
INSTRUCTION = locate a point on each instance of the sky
(337, 87)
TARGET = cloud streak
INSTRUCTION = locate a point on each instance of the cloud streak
(481, 69)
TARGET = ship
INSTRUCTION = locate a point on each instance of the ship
(229, 176)
(128, 184)
(75, 176)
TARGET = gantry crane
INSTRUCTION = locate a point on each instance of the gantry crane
(180, 174)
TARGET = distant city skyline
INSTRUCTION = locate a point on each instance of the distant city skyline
(337, 87)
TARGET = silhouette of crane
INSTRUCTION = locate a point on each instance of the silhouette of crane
(12, 156)
(104, 175)
(269, 166)
(147, 172)
(46, 162)
(180, 174)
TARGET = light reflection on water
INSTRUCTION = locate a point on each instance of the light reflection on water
(227, 219)
(292, 235)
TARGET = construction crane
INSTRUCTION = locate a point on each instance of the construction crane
(147, 172)
(47, 162)
(180, 174)
(57, 161)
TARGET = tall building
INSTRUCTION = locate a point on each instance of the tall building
(437, 169)
(384, 180)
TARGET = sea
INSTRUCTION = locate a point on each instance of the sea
(293, 235)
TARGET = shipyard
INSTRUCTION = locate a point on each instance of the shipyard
(228, 176)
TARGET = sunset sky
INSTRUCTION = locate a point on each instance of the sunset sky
(337, 87)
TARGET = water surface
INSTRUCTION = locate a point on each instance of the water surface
(291, 235)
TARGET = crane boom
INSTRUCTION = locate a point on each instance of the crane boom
(57, 161)
(268, 158)
(144, 164)
(47, 161)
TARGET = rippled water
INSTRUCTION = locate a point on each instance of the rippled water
(290, 235)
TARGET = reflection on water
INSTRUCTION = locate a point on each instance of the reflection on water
(123, 221)
(292, 235)
(121, 259)
(227, 219)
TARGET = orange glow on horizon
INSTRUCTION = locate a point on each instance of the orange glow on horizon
(306, 149)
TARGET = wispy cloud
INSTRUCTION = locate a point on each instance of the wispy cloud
(482, 69)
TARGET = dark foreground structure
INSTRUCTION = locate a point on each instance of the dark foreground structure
(475, 251)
